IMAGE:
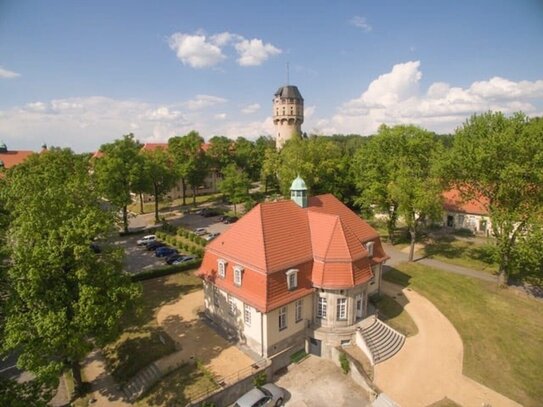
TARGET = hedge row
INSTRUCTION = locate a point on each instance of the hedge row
(181, 245)
(193, 237)
(164, 271)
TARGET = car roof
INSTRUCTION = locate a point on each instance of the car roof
(248, 399)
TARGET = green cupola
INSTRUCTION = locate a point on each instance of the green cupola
(298, 192)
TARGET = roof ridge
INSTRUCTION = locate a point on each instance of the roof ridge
(348, 228)
(330, 239)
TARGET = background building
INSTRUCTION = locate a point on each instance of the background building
(288, 114)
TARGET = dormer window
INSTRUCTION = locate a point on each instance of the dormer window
(221, 267)
(369, 248)
(292, 279)
(238, 272)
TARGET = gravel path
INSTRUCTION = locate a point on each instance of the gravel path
(429, 367)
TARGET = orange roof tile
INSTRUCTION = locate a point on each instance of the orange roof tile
(453, 202)
(324, 242)
(154, 146)
(11, 158)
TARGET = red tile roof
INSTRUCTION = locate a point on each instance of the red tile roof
(154, 146)
(11, 158)
(324, 242)
(453, 202)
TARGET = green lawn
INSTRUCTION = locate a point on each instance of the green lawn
(143, 340)
(179, 387)
(475, 254)
(502, 330)
(391, 312)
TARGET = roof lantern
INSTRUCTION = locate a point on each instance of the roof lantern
(298, 192)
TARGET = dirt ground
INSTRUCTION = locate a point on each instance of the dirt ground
(429, 366)
(317, 382)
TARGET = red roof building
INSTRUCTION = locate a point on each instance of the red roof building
(290, 271)
(463, 213)
(10, 158)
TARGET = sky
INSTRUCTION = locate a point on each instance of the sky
(80, 74)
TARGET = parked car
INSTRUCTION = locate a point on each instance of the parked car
(211, 236)
(146, 239)
(200, 231)
(155, 244)
(267, 395)
(209, 212)
(230, 219)
(176, 256)
(165, 251)
(183, 260)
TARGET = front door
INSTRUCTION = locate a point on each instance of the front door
(314, 346)
(359, 307)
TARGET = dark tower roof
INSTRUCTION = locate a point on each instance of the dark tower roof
(289, 91)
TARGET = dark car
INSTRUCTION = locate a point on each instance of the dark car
(154, 245)
(230, 219)
(184, 259)
(209, 212)
(174, 257)
(165, 251)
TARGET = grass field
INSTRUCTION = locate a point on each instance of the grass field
(393, 314)
(502, 330)
(143, 340)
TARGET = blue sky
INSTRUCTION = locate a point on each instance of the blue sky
(82, 73)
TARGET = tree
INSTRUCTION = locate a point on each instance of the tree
(500, 159)
(220, 153)
(28, 394)
(394, 173)
(116, 172)
(63, 298)
(270, 169)
(158, 166)
(246, 158)
(235, 185)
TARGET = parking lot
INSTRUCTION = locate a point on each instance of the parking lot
(139, 259)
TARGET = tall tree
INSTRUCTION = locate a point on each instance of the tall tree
(220, 153)
(158, 166)
(246, 158)
(235, 185)
(116, 172)
(501, 159)
(394, 173)
(270, 168)
(63, 298)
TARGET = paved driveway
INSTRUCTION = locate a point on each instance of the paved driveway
(317, 382)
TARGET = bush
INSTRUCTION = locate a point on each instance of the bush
(260, 379)
(345, 366)
(298, 356)
(164, 271)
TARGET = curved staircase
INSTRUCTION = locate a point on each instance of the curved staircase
(382, 341)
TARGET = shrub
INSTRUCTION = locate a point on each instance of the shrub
(164, 271)
(345, 366)
(298, 356)
(260, 379)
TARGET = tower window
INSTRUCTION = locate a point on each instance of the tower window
(341, 308)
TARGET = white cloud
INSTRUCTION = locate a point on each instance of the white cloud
(309, 111)
(360, 22)
(204, 101)
(250, 108)
(200, 51)
(396, 98)
(7, 74)
(254, 52)
(196, 50)
(220, 116)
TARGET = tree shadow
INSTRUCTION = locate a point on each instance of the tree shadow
(396, 276)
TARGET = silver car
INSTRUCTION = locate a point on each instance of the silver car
(267, 395)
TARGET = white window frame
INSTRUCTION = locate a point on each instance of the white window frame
(232, 307)
(369, 247)
(292, 279)
(221, 268)
(341, 309)
(282, 318)
(247, 314)
(321, 307)
(299, 310)
(238, 275)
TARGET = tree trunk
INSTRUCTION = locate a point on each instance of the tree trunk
(125, 219)
(184, 190)
(155, 190)
(235, 212)
(78, 381)
(193, 196)
(141, 202)
(391, 225)
(413, 234)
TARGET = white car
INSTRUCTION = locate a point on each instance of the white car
(146, 239)
(200, 231)
(267, 395)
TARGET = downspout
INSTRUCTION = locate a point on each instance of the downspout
(261, 334)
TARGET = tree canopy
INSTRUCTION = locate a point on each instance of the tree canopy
(235, 185)
(63, 299)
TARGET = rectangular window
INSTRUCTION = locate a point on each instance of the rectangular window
(282, 318)
(369, 248)
(215, 296)
(299, 306)
(237, 275)
(321, 308)
(231, 305)
(221, 268)
(292, 279)
(342, 308)
(247, 314)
